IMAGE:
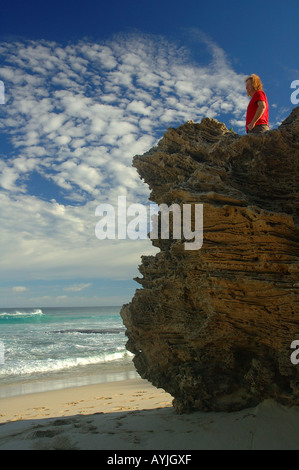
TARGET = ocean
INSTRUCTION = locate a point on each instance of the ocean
(51, 348)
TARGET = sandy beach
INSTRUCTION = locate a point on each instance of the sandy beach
(134, 415)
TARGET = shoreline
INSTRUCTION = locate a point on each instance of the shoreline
(105, 397)
(134, 415)
(69, 379)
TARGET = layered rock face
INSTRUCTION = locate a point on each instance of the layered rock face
(214, 326)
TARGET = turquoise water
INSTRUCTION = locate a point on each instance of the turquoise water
(52, 348)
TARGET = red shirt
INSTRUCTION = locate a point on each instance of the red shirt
(259, 95)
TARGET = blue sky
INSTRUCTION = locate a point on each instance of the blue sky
(89, 84)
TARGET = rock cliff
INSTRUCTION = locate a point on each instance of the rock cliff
(214, 326)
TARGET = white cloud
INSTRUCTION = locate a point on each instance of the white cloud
(77, 115)
(53, 122)
(139, 107)
(48, 240)
(77, 287)
(19, 289)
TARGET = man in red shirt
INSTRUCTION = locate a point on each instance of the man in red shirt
(257, 117)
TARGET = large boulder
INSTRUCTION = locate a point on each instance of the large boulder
(214, 326)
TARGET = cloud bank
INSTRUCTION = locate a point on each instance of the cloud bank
(74, 116)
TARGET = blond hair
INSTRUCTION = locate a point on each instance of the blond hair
(256, 82)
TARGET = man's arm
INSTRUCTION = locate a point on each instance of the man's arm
(261, 106)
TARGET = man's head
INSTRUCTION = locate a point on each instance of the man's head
(253, 84)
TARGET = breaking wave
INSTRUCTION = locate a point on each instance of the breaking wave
(22, 315)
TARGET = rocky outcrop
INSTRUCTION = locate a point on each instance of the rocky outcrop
(214, 326)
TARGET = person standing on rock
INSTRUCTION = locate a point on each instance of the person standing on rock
(257, 117)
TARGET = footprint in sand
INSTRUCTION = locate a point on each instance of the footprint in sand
(123, 408)
(74, 402)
